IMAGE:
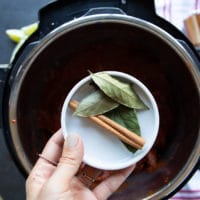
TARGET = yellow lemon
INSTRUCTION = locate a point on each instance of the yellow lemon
(20, 36)
(30, 29)
(15, 35)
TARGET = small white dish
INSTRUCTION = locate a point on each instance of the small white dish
(102, 150)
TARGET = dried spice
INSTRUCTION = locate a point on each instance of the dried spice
(126, 117)
(115, 99)
(95, 104)
(119, 91)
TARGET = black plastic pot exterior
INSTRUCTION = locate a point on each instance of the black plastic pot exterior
(45, 71)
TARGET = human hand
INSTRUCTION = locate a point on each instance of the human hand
(58, 182)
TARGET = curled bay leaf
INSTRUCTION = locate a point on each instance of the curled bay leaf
(119, 91)
(126, 117)
(95, 104)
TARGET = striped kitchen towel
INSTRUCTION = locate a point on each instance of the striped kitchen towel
(176, 11)
(191, 191)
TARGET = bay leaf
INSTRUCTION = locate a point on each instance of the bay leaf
(126, 117)
(95, 104)
(119, 91)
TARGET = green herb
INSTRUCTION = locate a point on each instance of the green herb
(118, 91)
(95, 104)
(115, 99)
(127, 118)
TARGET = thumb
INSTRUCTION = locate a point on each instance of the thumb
(69, 163)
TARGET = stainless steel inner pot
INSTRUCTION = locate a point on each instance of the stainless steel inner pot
(122, 43)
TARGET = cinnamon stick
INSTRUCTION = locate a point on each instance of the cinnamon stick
(133, 136)
(122, 133)
(192, 26)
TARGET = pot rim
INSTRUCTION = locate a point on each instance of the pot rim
(89, 20)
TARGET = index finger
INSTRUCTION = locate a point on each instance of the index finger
(53, 148)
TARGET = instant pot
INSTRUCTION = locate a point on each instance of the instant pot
(128, 36)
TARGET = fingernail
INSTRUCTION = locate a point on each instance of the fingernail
(72, 140)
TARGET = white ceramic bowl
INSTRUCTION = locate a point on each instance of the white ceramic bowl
(102, 150)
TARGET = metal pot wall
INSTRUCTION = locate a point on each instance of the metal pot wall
(108, 39)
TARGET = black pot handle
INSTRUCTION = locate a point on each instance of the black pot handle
(59, 12)
(104, 10)
(4, 70)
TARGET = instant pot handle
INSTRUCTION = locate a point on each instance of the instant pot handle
(4, 70)
(59, 12)
(104, 10)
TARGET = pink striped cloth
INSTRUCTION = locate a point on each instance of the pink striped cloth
(175, 11)
(191, 191)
